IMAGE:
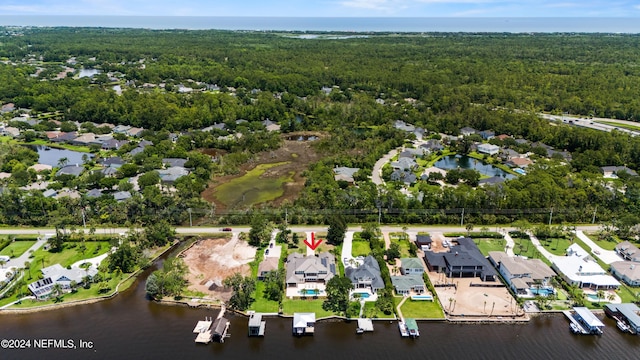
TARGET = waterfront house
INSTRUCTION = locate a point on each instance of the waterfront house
(423, 242)
(310, 269)
(508, 154)
(366, 276)
(492, 180)
(56, 274)
(256, 324)
(526, 277)
(411, 266)
(72, 170)
(404, 164)
(405, 284)
(267, 265)
(628, 312)
(488, 149)
(628, 251)
(518, 162)
(579, 268)
(627, 271)
(303, 323)
(10, 131)
(464, 259)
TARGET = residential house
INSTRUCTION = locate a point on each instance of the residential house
(121, 195)
(503, 137)
(136, 151)
(411, 266)
(8, 107)
(404, 164)
(522, 141)
(403, 126)
(65, 137)
(464, 259)
(489, 149)
(304, 323)
(84, 139)
(612, 171)
(72, 194)
(492, 180)
(144, 143)
(526, 277)
(56, 274)
(565, 155)
(627, 271)
(405, 176)
(411, 153)
(114, 161)
(366, 276)
(41, 167)
(110, 171)
(170, 175)
(170, 162)
(406, 284)
(52, 134)
(432, 145)
(93, 193)
(508, 154)
(49, 193)
(579, 268)
(628, 251)
(310, 269)
(111, 144)
(121, 129)
(466, 131)
(268, 264)
(423, 242)
(134, 131)
(518, 162)
(73, 170)
(270, 125)
(345, 173)
(487, 134)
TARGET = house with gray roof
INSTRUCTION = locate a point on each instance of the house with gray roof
(492, 180)
(268, 264)
(114, 161)
(49, 193)
(406, 176)
(56, 274)
(110, 144)
(366, 276)
(403, 126)
(612, 171)
(464, 259)
(432, 145)
(136, 151)
(93, 193)
(109, 171)
(172, 174)
(310, 269)
(423, 242)
(345, 173)
(524, 276)
(411, 266)
(466, 131)
(121, 129)
(404, 164)
(73, 170)
(627, 271)
(487, 134)
(270, 125)
(122, 195)
(628, 251)
(406, 284)
(170, 162)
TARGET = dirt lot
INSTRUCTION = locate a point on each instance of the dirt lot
(210, 261)
(297, 154)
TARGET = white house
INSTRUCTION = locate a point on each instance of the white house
(578, 268)
(56, 274)
(488, 149)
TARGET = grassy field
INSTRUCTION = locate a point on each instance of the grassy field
(605, 244)
(361, 248)
(17, 248)
(71, 254)
(524, 247)
(556, 246)
(404, 244)
(252, 188)
(486, 245)
(315, 306)
(419, 309)
(261, 304)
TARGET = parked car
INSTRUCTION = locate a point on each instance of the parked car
(226, 229)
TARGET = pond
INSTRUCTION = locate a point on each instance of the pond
(51, 156)
(465, 162)
(302, 138)
(88, 72)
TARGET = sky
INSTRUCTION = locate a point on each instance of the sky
(323, 8)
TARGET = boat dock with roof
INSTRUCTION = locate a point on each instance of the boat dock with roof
(364, 325)
(256, 324)
(627, 314)
(584, 322)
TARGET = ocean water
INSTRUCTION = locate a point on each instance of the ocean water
(347, 24)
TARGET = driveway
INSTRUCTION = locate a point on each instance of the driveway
(347, 246)
(510, 243)
(543, 251)
(20, 260)
(607, 256)
(376, 174)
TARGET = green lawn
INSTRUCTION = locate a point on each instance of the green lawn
(524, 247)
(17, 248)
(371, 311)
(419, 309)
(605, 244)
(556, 246)
(404, 246)
(261, 304)
(361, 248)
(315, 306)
(628, 294)
(252, 188)
(70, 254)
(486, 245)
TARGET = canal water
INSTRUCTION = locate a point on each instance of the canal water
(131, 327)
(465, 162)
(51, 156)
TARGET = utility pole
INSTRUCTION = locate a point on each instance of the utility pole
(379, 215)
(84, 221)
(462, 218)
(593, 221)
(286, 217)
(550, 216)
(190, 223)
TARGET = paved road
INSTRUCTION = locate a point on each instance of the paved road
(510, 243)
(376, 174)
(607, 256)
(593, 123)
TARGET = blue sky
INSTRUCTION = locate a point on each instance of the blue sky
(312, 8)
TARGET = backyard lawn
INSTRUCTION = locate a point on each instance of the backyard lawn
(71, 253)
(486, 245)
(360, 248)
(419, 309)
(261, 304)
(315, 306)
(371, 311)
(556, 246)
(17, 248)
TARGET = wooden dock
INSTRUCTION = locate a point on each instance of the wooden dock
(209, 329)
(203, 329)
(364, 325)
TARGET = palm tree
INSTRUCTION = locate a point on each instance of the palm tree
(600, 294)
(611, 297)
(62, 162)
(56, 291)
(450, 302)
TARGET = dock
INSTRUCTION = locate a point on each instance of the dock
(627, 314)
(256, 324)
(584, 322)
(203, 329)
(364, 325)
(403, 329)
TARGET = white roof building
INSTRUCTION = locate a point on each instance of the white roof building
(577, 267)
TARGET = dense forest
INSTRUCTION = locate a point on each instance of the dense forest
(353, 90)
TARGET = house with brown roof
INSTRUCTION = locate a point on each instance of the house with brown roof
(519, 162)
(267, 265)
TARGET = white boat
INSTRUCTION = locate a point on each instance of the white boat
(403, 329)
(574, 328)
(623, 327)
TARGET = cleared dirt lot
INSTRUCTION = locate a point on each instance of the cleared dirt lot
(210, 261)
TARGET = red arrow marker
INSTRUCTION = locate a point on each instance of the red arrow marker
(313, 244)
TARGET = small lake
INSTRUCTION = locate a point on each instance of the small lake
(88, 72)
(51, 156)
(302, 138)
(465, 162)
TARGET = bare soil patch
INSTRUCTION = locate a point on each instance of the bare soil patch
(210, 261)
(297, 155)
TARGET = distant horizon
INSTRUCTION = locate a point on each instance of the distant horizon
(413, 24)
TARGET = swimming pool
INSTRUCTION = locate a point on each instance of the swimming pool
(541, 291)
(594, 297)
(310, 291)
(363, 295)
(422, 297)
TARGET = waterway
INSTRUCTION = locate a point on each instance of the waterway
(51, 156)
(131, 327)
(465, 162)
